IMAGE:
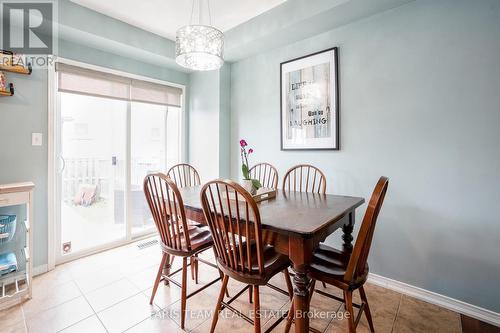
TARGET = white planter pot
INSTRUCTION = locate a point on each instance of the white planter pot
(247, 185)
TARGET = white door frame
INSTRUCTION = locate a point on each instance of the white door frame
(53, 160)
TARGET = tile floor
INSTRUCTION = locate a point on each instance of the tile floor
(109, 292)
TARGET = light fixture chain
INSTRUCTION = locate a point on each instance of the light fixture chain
(192, 12)
(209, 13)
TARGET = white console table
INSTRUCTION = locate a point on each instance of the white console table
(15, 287)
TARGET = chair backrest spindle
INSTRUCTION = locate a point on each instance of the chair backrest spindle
(234, 221)
(266, 174)
(361, 250)
(184, 175)
(305, 178)
(167, 208)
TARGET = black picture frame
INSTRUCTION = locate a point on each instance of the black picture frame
(336, 92)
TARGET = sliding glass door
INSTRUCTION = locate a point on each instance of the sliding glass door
(93, 141)
(107, 141)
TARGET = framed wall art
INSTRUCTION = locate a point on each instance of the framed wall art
(310, 102)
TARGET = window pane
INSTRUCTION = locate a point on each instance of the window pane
(148, 142)
(93, 176)
(173, 136)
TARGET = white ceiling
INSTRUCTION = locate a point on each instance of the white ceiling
(164, 17)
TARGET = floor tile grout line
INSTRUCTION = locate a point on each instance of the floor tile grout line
(123, 276)
(331, 320)
(207, 319)
(93, 310)
(142, 321)
(397, 313)
(53, 306)
(73, 278)
(79, 321)
(122, 300)
(103, 286)
(80, 295)
(24, 319)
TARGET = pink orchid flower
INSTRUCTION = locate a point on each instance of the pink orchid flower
(250, 151)
(243, 143)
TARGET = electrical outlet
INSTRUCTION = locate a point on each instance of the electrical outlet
(36, 139)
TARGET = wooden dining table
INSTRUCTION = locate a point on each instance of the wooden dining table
(295, 223)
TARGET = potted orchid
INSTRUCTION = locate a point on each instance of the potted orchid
(251, 185)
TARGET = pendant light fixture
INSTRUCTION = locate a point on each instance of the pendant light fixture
(199, 47)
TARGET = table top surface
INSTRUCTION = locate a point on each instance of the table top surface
(291, 212)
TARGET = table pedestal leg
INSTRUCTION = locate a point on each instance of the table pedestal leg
(347, 229)
(301, 300)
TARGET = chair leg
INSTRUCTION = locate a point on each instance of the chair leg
(220, 272)
(311, 291)
(256, 308)
(158, 278)
(288, 283)
(196, 262)
(324, 284)
(250, 292)
(191, 264)
(167, 266)
(289, 318)
(348, 304)
(225, 280)
(368, 314)
(183, 291)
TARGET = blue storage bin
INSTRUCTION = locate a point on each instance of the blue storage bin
(7, 228)
(8, 263)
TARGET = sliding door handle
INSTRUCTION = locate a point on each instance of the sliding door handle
(63, 164)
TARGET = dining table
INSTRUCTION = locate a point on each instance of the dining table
(295, 223)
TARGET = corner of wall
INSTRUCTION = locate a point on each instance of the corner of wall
(225, 121)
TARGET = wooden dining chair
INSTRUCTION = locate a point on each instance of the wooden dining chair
(349, 270)
(177, 237)
(266, 174)
(235, 224)
(183, 175)
(305, 178)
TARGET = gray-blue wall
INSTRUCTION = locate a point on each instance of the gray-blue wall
(420, 103)
(21, 115)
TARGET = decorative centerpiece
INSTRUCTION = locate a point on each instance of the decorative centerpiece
(251, 185)
(3, 82)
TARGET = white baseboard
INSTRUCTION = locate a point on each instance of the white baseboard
(446, 302)
(40, 269)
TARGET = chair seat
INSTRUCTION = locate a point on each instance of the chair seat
(199, 237)
(274, 263)
(193, 223)
(330, 265)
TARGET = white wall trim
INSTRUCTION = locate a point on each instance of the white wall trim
(51, 210)
(446, 302)
(38, 270)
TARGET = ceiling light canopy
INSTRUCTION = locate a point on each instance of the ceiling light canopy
(199, 47)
